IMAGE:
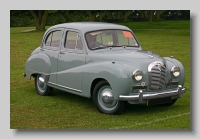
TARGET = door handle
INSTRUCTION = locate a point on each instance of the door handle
(62, 52)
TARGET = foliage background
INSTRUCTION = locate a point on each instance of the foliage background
(23, 18)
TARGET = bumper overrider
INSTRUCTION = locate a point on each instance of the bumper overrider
(150, 95)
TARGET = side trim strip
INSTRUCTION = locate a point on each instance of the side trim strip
(79, 91)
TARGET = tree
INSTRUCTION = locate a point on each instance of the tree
(158, 13)
(40, 17)
(150, 15)
(91, 14)
(101, 15)
(126, 14)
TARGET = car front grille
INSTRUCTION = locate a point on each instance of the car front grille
(157, 76)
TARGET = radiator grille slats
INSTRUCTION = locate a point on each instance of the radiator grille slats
(157, 77)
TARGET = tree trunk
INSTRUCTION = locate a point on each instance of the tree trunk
(126, 14)
(118, 14)
(150, 15)
(101, 15)
(108, 13)
(40, 20)
(91, 15)
(141, 13)
(158, 15)
(44, 19)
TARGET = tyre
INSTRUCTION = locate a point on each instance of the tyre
(41, 85)
(103, 99)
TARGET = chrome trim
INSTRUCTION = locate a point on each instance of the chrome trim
(157, 75)
(107, 97)
(139, 87)
(136, 72)
(170, 83)
(74, 51)
(140, 96)
(41, 81)
(65, 87)
(158, 63)
(173, 69)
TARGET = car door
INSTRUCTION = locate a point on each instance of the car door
(50, 47)
(71, 59)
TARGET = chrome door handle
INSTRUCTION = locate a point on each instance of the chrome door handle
(62, 52)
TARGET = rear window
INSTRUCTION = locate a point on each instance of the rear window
(54, 38)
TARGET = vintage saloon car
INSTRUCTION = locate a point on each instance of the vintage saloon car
(104, 62)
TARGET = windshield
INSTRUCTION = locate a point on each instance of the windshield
(110, 38)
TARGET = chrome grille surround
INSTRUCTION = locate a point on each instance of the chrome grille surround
(157, 75)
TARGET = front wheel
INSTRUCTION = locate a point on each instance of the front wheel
(104, 99)
(41, 85)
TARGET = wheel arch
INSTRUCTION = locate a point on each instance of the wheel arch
(115, 74)
(38, 63)
(94, 83)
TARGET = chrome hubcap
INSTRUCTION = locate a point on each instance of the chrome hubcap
(41, 82)
(107, 97)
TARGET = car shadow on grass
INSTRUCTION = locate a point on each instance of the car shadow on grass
(144, 109)
(72, 99)
(87, 103)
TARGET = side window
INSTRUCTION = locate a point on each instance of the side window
(73, 41)
(54, 39)
(48, 41)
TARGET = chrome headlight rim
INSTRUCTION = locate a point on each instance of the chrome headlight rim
(137, 75)
(175, 71)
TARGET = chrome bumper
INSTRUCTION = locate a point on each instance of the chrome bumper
(140, 96)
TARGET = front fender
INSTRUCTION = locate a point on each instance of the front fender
(174, 62)
(116, 74)
(37, 63)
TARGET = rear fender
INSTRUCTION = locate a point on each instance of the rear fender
(37, 63)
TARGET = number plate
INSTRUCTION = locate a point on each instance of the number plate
(159, 101)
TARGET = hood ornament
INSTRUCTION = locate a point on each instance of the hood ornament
(149, 52)
(159, 67)
(158, 64)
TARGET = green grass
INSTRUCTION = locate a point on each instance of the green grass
(67, 111)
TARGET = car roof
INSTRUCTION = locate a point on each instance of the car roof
(89, 26)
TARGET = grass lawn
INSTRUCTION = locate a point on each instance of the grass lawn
(62, 110)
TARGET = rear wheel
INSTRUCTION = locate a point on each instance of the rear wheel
(41, 85)
(104, 99)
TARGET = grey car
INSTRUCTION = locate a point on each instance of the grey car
(105, 62)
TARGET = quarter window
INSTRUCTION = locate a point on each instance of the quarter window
(73, 41)
(54, 39)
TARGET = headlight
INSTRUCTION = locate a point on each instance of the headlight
(175, 71)
(137, 75)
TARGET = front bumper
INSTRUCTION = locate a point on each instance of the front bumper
(150, 95)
